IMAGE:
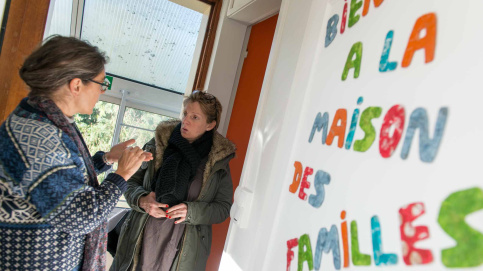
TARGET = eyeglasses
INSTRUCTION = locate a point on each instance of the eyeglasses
(104, 86)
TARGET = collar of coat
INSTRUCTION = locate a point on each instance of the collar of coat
(221, 149)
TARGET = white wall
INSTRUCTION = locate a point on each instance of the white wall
(304, 78)
(261, 172)
(224, 61)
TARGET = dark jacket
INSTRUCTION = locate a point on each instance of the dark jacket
(212, 206)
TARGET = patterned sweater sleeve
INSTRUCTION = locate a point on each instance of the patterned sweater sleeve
(64, 200)
(99, 164)
(46, 172)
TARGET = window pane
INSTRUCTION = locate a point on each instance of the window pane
(151, 41)
(142, 119)
(98, 129)
(61, 12)
(141, 136)
(122, 202)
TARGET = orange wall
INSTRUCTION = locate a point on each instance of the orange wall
(243, 114)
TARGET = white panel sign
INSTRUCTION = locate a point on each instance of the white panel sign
(385, 167)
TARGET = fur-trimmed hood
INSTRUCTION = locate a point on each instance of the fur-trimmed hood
(222, 147)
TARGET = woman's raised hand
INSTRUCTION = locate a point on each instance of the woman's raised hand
(151, 206)
(130, 161)
(116, 151)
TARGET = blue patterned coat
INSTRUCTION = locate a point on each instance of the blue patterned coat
(46, 206)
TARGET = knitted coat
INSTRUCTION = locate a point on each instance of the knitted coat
(212, 205)
(46, 205)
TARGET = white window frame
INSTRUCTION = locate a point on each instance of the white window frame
(128, 93)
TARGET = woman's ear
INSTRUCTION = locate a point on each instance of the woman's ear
(211, 125)
(74, 86)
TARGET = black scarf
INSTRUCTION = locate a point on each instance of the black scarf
(180, 161)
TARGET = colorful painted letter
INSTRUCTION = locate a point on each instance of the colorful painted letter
(344, 19)
(469, 242)
(326, 242)
(352, 62)
(321, 178)
(352, 129)
(297, 176)
(358, 258)
(290, 255)
(345, 240)
(410, 235)
(336, 129)
(331, 29)
(384, 64)
(305, 184)
(377, 3)
(426, 22)
(428, 148)
(320, 122)
(366, 125)
(355, 6)
(379, 256)
(387, 143)
(305, 253)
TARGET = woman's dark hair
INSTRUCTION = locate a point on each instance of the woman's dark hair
(57, 62)
(209, 105)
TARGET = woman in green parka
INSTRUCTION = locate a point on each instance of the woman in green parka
(178, 195)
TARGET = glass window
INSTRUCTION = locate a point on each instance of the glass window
(151, 45)
(97, 129)
(142, 136)
(59, 18)
(143, 119)
(149, 41)
(140, 125)
(3, 5)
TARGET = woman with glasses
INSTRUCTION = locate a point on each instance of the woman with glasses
(178, 196)
(52, 209)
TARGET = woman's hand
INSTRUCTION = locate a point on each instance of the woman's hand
(151, 206)
(116, 151)
(177, 211)
(130, 161)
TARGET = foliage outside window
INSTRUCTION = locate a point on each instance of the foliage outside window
(98, 128)
(139, 119)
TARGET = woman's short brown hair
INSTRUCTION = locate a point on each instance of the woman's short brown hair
(57, 62)
(209, 105)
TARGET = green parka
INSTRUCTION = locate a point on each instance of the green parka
(212, 205)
